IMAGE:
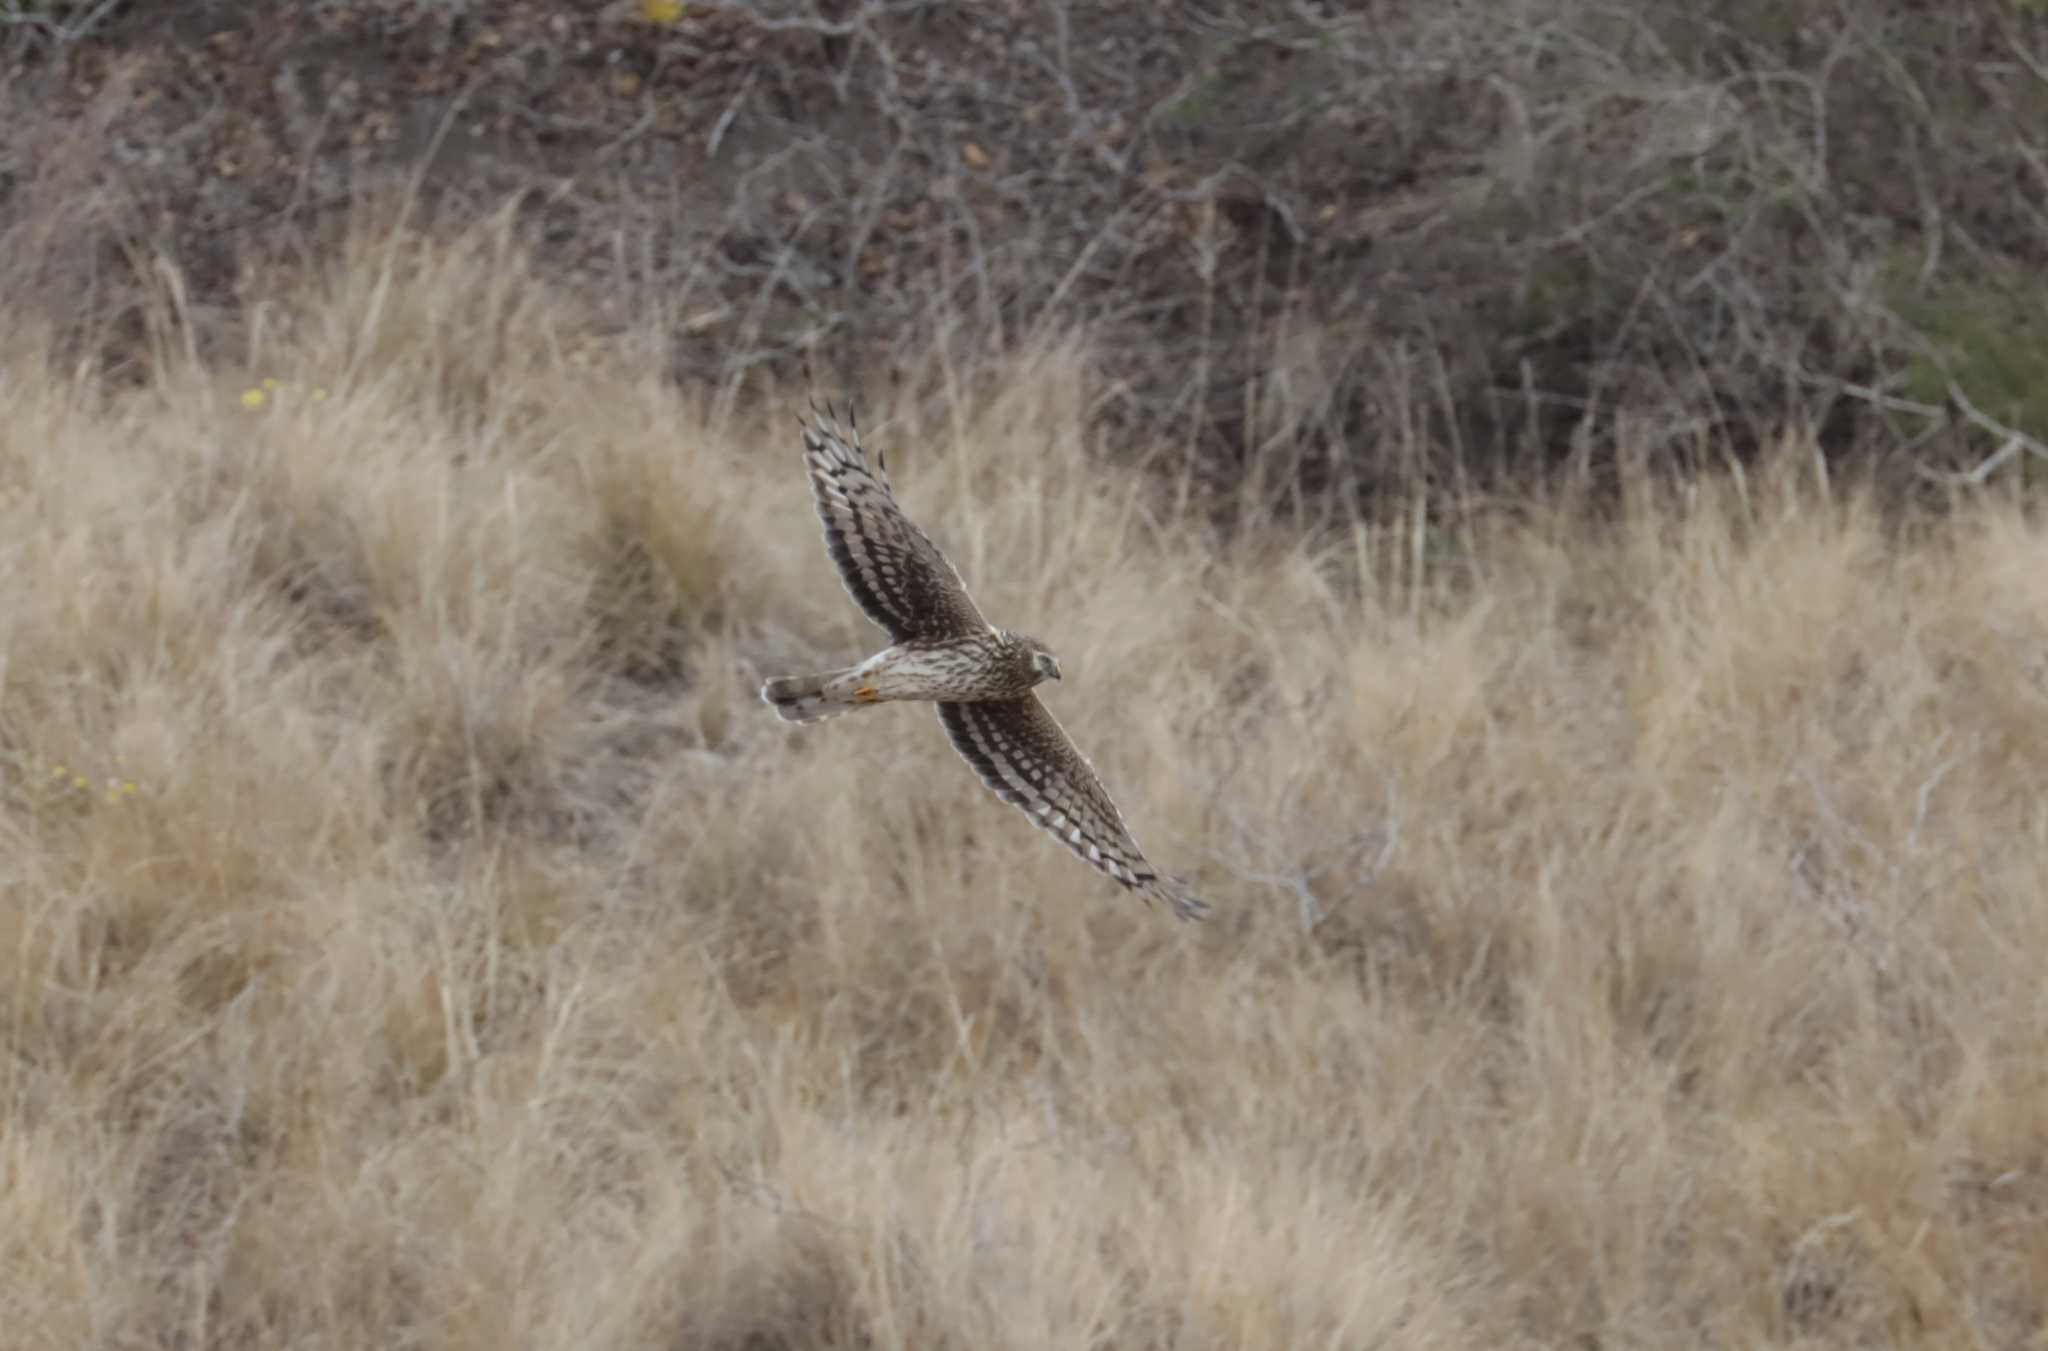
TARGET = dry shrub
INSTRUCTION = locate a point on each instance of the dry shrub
(1322, 251)
(1627, 922)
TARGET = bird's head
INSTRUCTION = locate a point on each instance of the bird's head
(1044, 665)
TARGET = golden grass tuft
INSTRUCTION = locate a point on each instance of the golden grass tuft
(1625, 934)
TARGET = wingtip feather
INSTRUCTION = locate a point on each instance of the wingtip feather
(1174, 894)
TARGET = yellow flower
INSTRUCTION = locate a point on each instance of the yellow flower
(270, 382)
(663, 12)
(79, 781)
(252, 398)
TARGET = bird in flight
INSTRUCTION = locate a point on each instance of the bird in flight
(942, 651)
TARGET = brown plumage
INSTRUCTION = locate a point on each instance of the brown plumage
(942, 651)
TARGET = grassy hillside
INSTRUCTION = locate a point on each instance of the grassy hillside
(415, 932)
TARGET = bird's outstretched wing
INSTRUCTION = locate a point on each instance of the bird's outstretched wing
(891, 568)
(1022, 753)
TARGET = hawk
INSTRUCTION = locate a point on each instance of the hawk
(944, 652)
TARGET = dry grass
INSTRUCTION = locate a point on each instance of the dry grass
(1626, 936)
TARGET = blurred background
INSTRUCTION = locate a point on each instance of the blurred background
(1321, 245)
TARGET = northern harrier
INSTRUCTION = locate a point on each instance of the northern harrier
(942, 650)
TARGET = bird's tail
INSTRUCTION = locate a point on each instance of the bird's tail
(807, 698)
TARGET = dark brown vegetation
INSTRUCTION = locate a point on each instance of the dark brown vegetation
(1337, 242)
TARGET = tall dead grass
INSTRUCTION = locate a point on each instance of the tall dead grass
(1626, 934)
